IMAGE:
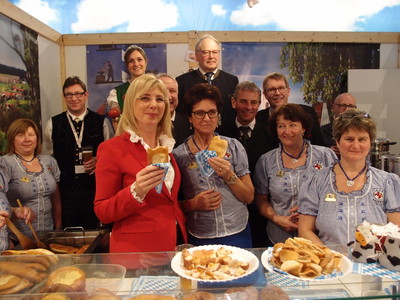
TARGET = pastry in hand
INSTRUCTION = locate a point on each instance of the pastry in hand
(218, 145)
(157, 155)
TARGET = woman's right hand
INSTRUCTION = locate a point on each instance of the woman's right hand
(148, 178)
(24, 213)
(207, 200)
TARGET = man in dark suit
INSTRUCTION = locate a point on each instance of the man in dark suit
(254, 136)
(180, 123)
(208, 54)
(341, 103)
(277, 91)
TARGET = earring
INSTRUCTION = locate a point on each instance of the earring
(191, 127)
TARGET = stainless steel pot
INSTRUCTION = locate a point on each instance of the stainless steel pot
(381, 145)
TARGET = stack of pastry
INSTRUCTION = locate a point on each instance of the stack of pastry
(24, 269)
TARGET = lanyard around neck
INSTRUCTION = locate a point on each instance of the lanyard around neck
(78, 139)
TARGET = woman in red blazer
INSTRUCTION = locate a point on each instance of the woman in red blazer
(143, 220)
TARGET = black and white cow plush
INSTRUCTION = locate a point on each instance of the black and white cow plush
(390, 257)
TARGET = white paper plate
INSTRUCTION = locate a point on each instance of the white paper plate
(237, 253)
(346, 268)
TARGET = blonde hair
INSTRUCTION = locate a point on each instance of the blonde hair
(137, 89)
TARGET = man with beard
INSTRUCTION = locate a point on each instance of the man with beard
(208, 55)
(277, 91)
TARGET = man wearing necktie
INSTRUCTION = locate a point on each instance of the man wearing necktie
(208, 56)
(253, 135)
(64, 137)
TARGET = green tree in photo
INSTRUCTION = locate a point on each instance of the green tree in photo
(323, 66)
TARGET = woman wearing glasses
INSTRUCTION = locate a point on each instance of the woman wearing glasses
(144, 220)
(136, 63)
(339, 198)
(280, 172)
(216, 212)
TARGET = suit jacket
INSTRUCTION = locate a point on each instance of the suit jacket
(181, 128)
(327, 134)
(224, 81)
(138, 227)
(316, 135)
(258, 143)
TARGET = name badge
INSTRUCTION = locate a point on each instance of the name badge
(25, 179)
(330, 198)
(79, 169)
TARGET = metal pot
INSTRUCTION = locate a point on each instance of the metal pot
(381, 145)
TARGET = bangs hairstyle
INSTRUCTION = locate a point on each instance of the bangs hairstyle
(70, 81)
(199, 92)
(137, 89)
(21, 126)
(354, 119)
(132, 48)
(294, 113)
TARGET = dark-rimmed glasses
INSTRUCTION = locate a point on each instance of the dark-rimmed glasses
(351, 115)
(345, 106)
(78, 95)
(200, 114)
(281, 89)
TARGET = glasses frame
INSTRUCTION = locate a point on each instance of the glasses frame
(281, 90)
(346, 106)
(147, 99)
(206, 53)
(204, 113)
(78, 95)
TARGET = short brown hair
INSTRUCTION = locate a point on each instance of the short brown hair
(354, 119)
(293, 112)
(275, 76)
(21, 126)
(247, 86)
(70, 81)
(199, 92)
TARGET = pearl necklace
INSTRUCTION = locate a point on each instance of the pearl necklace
(28, 162)
(295, 159)
(350, 181)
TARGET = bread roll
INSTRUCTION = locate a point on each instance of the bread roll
(218, 145)
(157, 155)
(69, 278)
(199, 295)
(59, 248)
(22, 285)
(21, 270)
(8, 281)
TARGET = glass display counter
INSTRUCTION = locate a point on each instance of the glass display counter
(133, 274)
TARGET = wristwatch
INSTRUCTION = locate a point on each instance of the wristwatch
(232, 179)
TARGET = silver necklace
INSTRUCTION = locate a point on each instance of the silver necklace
(295, 159)
(350, 181)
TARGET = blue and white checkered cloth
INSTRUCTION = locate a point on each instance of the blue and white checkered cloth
(201, 158)
(374, 269)
(164, 285)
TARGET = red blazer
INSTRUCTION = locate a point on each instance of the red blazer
(150, 226)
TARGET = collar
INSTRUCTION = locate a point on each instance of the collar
(251, 124)
(80, 117)
(163, 140)
(173, 116)
(204, 73)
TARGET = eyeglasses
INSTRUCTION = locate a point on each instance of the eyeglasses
(209, 52)
(281, 89)
(351, 115)
(78, 95)
(147, 99)
(200, 114)
(345, 106)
